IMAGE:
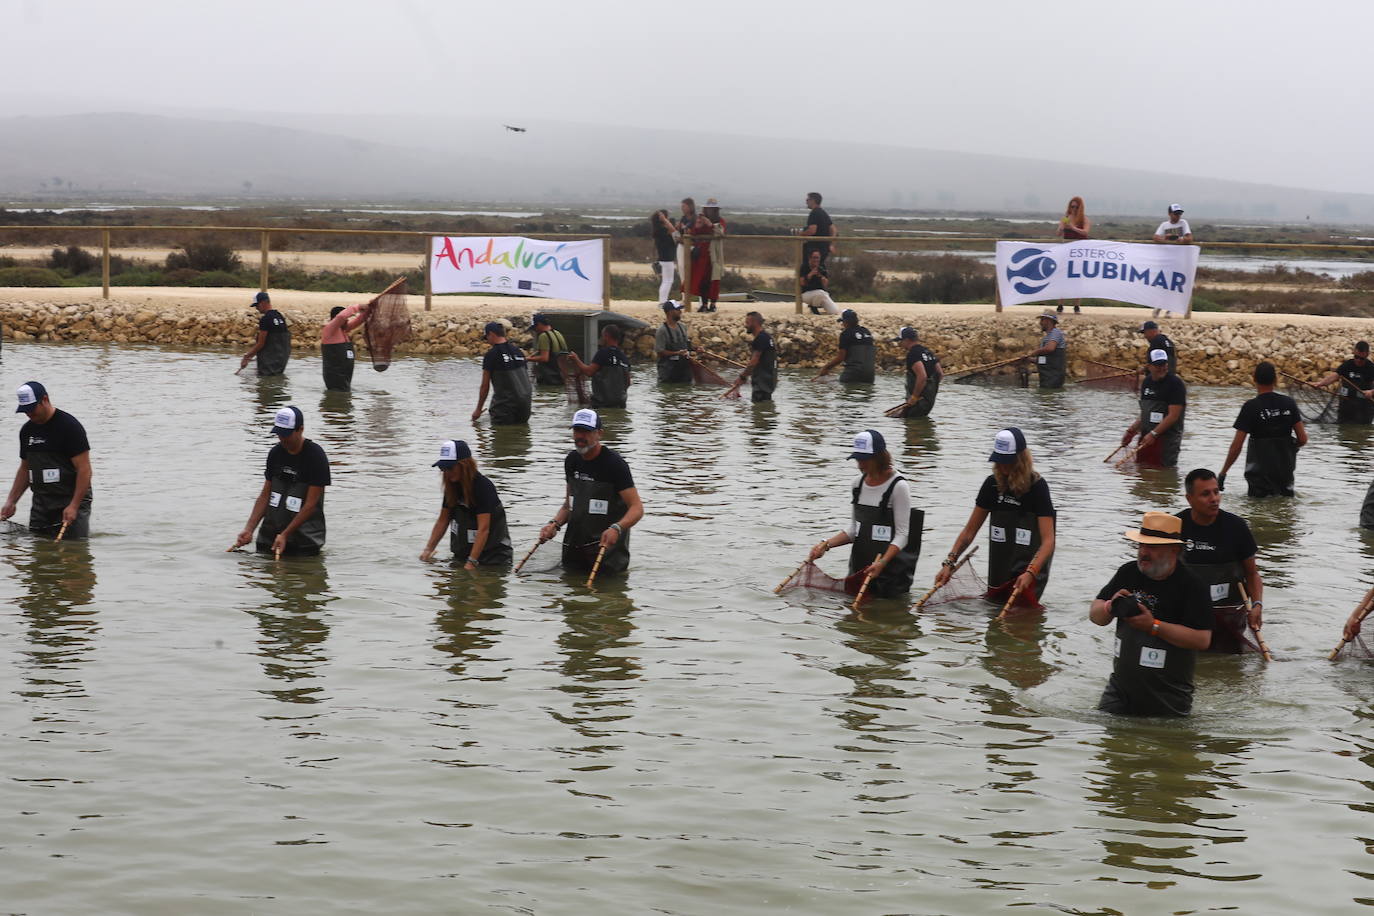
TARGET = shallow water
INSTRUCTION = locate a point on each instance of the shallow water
(195, 731)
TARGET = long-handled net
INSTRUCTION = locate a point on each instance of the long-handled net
(704, 375)
(1107, 376)
(1361, 648)
(1317, 405)
(387, 324)
(963, 585)
(1014, 372)
(574, 382)
(1231, 631)
(812, 577)
(548, 556)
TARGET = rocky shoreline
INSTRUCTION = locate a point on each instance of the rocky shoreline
(1213, 349)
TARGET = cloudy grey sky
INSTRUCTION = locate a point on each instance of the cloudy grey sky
(1259, 91)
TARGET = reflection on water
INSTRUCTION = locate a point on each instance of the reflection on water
(470, 598)
(597, 662)
(57, 588)
(291, 624)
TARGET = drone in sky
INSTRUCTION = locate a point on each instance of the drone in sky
(514, 130)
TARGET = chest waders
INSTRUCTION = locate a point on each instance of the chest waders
(552, 343)
(285, 501)
(858, 362)
(1164, 450)
(595, 505)
(926, 402)
(462, 531)
(511, 392)
(275, 353)
(1053, 366)
(763, 380)
(1221, 579)
(52, 480)
(337, 363)
(675, 369)
(1150, 677)
(1013, 539)
(1269, 466)
(610, 383)
(875, 534)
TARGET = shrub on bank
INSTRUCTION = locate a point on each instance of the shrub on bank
(29, 276)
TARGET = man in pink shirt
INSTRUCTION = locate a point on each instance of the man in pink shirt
(336, 349)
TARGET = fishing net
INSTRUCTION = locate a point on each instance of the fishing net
(963, 585)
(548, 557)
(1025, 602)
(704, 375)
(813, 577)
(387, 324)
(1315, 405)
(1011, 373)
(1231, 631)
(574, 382)
(1107, 377)
(1356, 648)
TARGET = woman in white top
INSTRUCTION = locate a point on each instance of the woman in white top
(885, 531)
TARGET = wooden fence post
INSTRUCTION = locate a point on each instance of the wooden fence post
(798, 287)
(429, 283)
(606, 273)
(262, 264)
(105, 263)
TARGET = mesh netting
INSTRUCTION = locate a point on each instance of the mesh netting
(1107, 376)
(1012, 373)
(704, 375)
(548, 556)
(574, 382)
(1231, 631)
(813, 577)
(387, 324)
(1315, 404)
(1025, 602)
(963, 585)
(1355, 648)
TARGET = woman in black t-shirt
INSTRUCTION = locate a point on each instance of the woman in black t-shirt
(471, 511)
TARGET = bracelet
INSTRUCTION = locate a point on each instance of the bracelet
(473, 561)
(616, 526)
(1257, 604)
(1154, 630)
(948, 563)
(825, 546)
(556, 523)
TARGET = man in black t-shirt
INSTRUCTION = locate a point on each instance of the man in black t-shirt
(1356, 377)
(1274, 426)
(600, 504)
(818, 225)
(1164, 620)
(922, 376)
(856, 351)
(55, 463)
(609, 369)
(1163, 401)
(763, 362)
(1155, 339)
(505, 374)
(290, 505)
(272, 346)
(1220, 550)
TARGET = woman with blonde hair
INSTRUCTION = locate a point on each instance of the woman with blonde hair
(471, 511)
(1021, 532)
(1073, 226)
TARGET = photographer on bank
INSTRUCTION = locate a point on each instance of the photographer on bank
(1163, 617)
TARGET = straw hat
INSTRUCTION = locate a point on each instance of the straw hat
(1050, 315)
(1158, 528)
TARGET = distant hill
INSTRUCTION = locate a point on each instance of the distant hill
(395, 159)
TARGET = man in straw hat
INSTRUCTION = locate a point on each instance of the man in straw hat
(1163, 619)
(1051, 358)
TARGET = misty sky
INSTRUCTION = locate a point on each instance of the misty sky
(1257, 91)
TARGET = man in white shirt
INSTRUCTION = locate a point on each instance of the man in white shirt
(1174, 231)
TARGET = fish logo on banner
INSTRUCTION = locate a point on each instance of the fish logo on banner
(1030, 270)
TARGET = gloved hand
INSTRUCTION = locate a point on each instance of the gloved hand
(1221, 482)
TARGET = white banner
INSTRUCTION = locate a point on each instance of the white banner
(1158, 276)
(514, 266)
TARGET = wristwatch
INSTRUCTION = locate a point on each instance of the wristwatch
(618, 529)
(1154, 630)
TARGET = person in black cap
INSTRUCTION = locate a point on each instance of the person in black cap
(1021, 532)
(336, 348)
(471, 511)
(290, 505)
(1156, 339)
(272, 346)
(609, 369)
(600, 505)
(1356, 376)
(1163, 619)
(855, 351)
(1274, 426)
(55, 463)
(673, 347)
(1220, 551)
(763, 362)
(1051, 358)
(505, 375)
(1163, 402)
(885, 531)
(922, 375)
(548, 346)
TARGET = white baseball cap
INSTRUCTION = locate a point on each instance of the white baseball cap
(586, 419)
(1158, 356)
(287, 421)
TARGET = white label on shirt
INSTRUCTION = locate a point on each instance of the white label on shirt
(293, 504)
(1150, 657)
(1040, 360)
(597, 506)
(274, 500)
(999, 535)
(350, 353)
(1156, 416)
(1116, 648)
(1345, 392)
(882, 532)
(1221, 591)
(1023, 536)
(453, 528)
(52, 475)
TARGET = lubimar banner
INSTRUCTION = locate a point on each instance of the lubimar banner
(1158, 276)
(515, 266)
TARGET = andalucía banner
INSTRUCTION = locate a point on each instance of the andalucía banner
(1158, 276)
(515, 266)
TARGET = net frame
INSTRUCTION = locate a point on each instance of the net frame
(1315, 405)
(387, 324)
(1014, 372)
(574, 382)
(1108, 377)
(705, 375)
(1235, 620)
(813, 578)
